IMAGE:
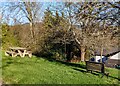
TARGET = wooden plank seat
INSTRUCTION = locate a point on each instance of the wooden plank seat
(11, 53)
(96, 66)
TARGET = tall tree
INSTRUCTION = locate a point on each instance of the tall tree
(23, 12)
(91, 17)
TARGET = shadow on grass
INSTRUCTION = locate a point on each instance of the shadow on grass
(48, 56)
(8, 62)
(73, 64)
(81, 70)
(84, 71)
(64, 62)
(118, 78)
(79, 67)
(95, 73)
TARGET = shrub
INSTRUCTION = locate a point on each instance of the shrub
(8, 38)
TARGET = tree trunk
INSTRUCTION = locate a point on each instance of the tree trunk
(31, 30)
(33, 38)
(65, 50)
(68, 50)
(101, 53)
(82, 54)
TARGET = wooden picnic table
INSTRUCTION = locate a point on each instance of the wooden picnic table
(17, 48)
(15, 51)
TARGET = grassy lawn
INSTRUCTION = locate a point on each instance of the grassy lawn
(0, 67)
(41, 71)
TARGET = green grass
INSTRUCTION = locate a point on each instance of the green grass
(0, 66)
(41, 71)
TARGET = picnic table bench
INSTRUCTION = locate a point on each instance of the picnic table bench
(97, 67)
(18, 51)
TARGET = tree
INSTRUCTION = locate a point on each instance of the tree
(29, 11)
(86, 16)
(8, 39)
(57, 26)
(91, 17)
(103, 40)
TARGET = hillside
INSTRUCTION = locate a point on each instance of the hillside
(42, 71)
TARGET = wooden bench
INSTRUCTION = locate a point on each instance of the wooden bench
(97, 67)
(11, 53)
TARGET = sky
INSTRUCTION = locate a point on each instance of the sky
(33, 0)
(46, 4)
(23, 20)
(61, 0)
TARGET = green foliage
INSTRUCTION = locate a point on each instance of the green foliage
(48, 19)
(55, 26)
(8, 38)
(58, 54)
(89, 54)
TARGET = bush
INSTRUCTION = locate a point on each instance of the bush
(8, 38)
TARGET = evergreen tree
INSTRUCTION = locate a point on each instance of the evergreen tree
(8, 38)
